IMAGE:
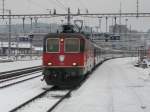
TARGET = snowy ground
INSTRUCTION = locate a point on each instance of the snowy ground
(116, 86)
(15, 95)
(19, 65)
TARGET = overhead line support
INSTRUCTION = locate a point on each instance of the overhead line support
(19, 16)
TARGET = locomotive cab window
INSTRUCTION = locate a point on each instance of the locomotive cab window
(53, 45)
(72, 45)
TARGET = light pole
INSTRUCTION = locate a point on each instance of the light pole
(114, 31)
(106, 23)
(126, 24)
(23, 19)
(50, 25)
(36, 22)
(31, 40)
(120, 18)
(17, 47)
(9, 37)
(126, 20)
(100, 23)
(31, 23)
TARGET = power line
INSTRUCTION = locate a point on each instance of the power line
(82, 6)
(61, 4)
(58, 4)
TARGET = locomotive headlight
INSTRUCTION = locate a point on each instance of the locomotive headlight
(61, 40)
(74, 64)
(49, 63)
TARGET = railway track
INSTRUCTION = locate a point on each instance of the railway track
(16, 73)
(14, 81)
(53, 96)
(19, 77)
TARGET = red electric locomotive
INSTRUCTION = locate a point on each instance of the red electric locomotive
(68, 56)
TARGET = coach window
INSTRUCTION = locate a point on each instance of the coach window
(53, 45)
(72, 45)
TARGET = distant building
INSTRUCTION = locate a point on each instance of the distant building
(20, 45)
(129, 39)
(118, 29)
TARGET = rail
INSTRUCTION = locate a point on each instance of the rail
(14, 73)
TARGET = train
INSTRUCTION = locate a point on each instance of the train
(68, 56)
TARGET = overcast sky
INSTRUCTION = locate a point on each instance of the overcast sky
(94, 6)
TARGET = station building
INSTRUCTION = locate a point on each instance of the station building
(19, 46)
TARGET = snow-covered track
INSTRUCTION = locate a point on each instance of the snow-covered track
(32, 99)
(20, 79)
(67, 95)
(15, 73)
(53, 91)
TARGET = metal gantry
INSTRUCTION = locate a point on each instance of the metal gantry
(103, 15)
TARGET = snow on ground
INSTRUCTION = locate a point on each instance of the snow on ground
(116, 86)
(15, 95)
(19, 65)
(43, 104)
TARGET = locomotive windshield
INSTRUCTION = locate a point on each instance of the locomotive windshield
(72, 45)
(53, 45)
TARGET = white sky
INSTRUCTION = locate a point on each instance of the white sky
(94, 6)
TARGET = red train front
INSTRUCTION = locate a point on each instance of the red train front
(67, 57)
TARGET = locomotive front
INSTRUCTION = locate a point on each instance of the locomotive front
(63, 59)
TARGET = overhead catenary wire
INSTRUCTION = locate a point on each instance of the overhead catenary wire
(58, 4)
(82, 6)
(61, 4)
